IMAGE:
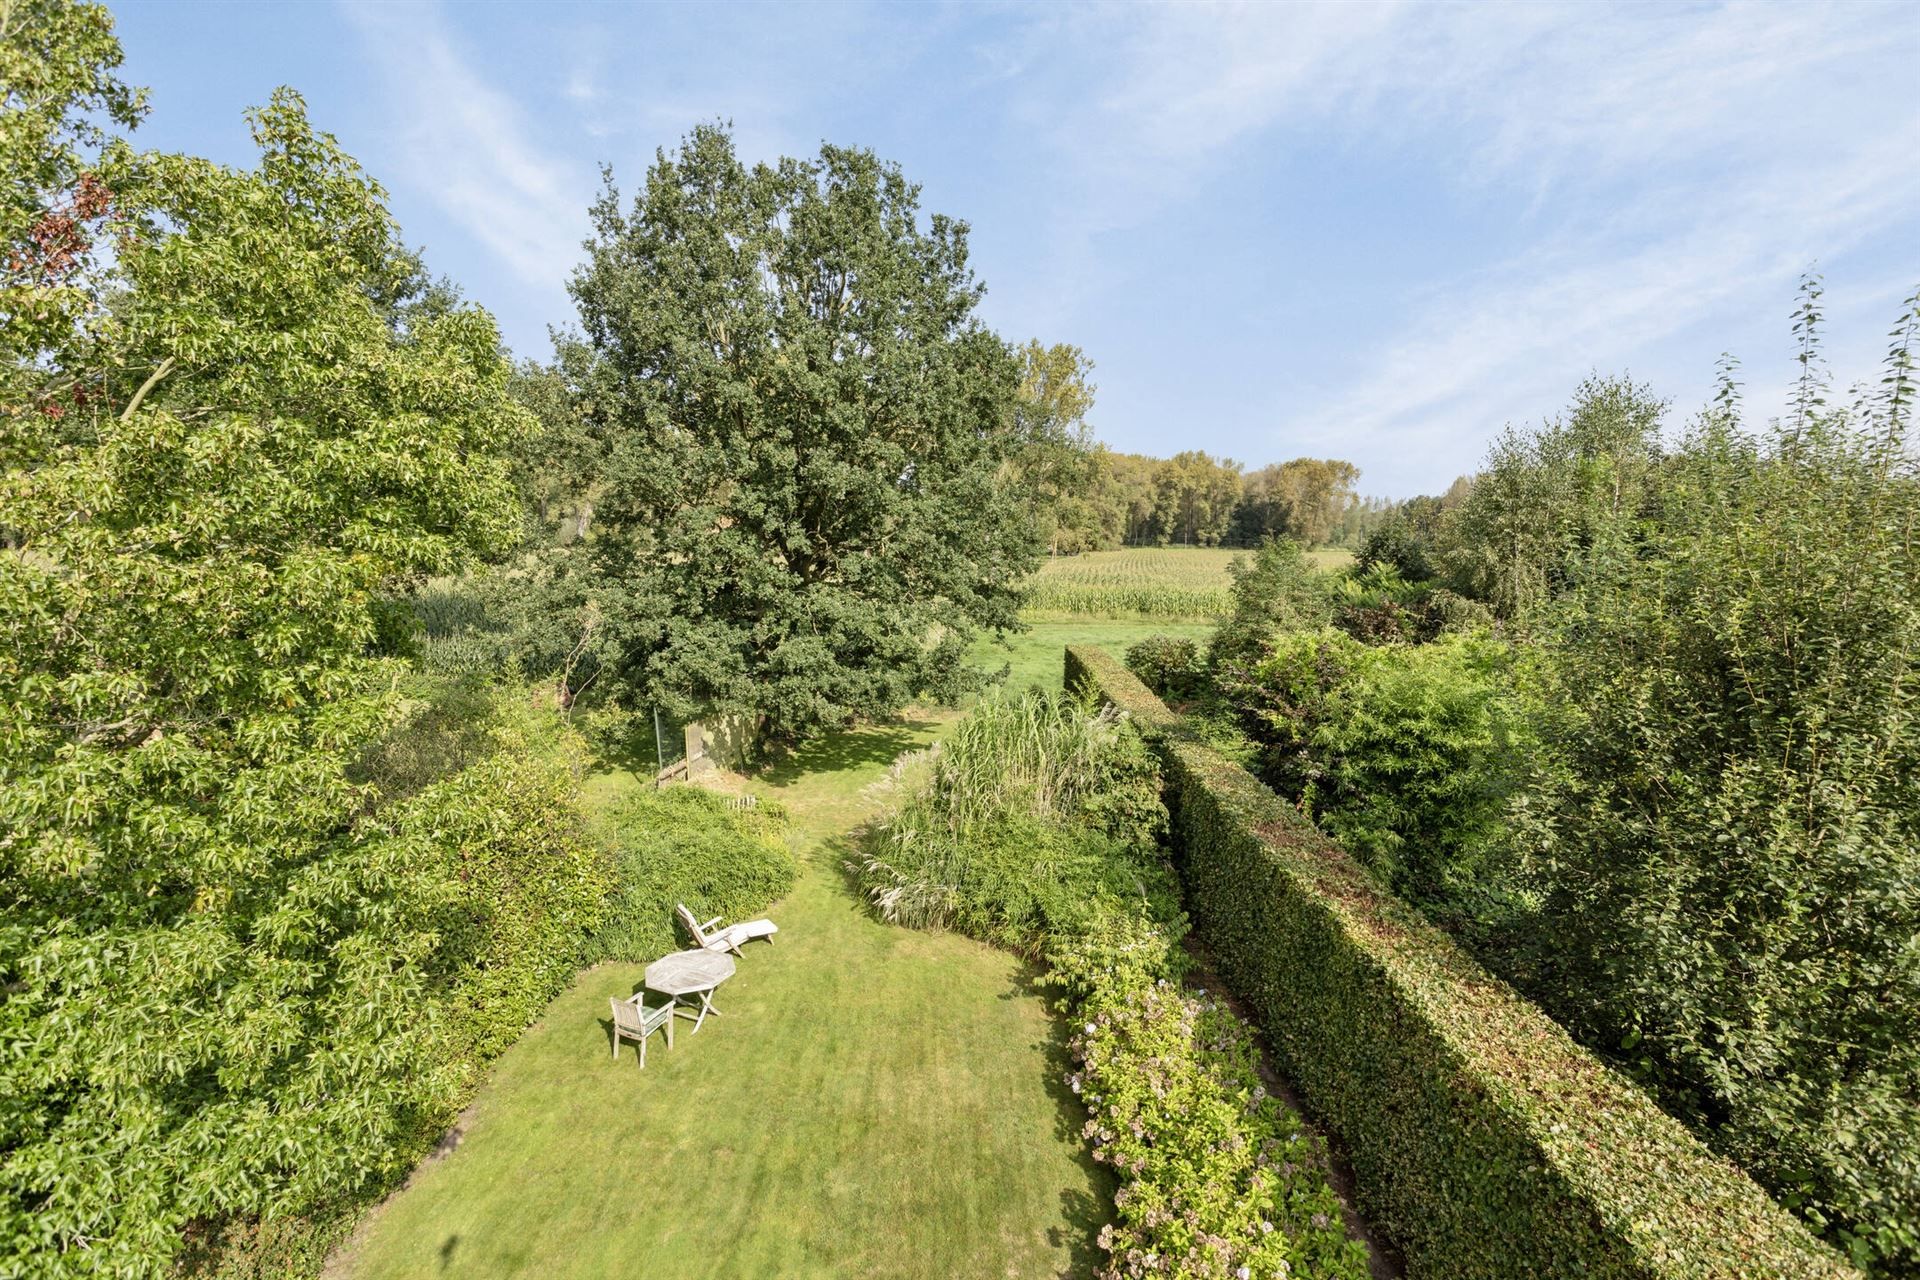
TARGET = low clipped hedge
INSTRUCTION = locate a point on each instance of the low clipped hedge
(1484, 1141)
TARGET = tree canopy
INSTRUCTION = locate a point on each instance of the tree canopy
(803, 513)
(232, 437)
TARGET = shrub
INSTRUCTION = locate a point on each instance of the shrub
(1484, 1141)
(1405, 753)
(1169, 665)
(1220, 1179)
(685, 844)
(432, 933)
(1726, 819)
(1032, 809)
(1279, 590)
(1398, 545)
(527, 885)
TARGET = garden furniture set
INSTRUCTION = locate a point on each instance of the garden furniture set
(683, 976)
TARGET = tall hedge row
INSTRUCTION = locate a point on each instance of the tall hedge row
(1484, 1142)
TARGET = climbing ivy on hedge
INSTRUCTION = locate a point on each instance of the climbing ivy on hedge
(1484, 1142)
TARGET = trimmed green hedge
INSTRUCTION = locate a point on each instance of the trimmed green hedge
(1484, 1142)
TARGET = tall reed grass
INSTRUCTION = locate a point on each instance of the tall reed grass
(986, 830)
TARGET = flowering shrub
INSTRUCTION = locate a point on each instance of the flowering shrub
(1220, 1178)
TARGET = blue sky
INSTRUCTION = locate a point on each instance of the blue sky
(1377, 232)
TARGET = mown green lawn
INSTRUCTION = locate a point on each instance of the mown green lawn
(872, 1102)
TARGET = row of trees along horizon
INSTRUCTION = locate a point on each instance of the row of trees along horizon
(285, 851)
(1083, 494)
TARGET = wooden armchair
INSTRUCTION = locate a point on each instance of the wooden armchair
(634, 1021)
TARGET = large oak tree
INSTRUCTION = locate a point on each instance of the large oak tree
(803, 515)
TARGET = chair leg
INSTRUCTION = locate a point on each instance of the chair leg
(669, 1031)
(616, 1044)
(643, 1053)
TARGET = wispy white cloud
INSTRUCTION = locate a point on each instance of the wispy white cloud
(468, 145)
(1658, 171)
(1675, 163)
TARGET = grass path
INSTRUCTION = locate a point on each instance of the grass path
(874, 1101)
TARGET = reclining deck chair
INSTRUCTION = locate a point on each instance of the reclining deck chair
(708, 938)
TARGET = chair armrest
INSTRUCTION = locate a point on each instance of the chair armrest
(709, 924)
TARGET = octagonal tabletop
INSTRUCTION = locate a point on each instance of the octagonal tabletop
(685, 972)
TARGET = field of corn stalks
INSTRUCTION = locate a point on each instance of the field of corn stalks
(1172, 583)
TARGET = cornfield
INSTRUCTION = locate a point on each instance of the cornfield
(1163, 583)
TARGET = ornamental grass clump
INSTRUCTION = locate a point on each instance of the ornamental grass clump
(1036, 825)
(1035, 808)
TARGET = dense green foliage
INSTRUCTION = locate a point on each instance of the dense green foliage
(1279, 590)
(60, 102)
(1172, 666)
(1195, 500)
(803, 516)
(1484, 1141)
(1220, 1179)
(1029, 815)
(241, 979)
(526, 884)
(1723, 820)
(687, 845)
(1679, 812)
(1404, 753)
(1034, 825)
(1546, 497)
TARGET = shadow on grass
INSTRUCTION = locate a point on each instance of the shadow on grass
(850, 749)
(1087, 1212)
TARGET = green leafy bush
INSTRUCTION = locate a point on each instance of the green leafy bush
(1279, 590)
(1725, 817)
(1485, 1143)
(527, 884)
(235, 987)
(685, 844)
(1171, 666)
(1405, 753)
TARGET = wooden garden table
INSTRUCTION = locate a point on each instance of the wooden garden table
(691, 973)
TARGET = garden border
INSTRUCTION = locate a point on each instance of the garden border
(1484, 1141)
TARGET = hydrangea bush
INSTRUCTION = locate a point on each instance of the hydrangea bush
(1220, 1178)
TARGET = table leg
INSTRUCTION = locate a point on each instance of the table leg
(706, 1007)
